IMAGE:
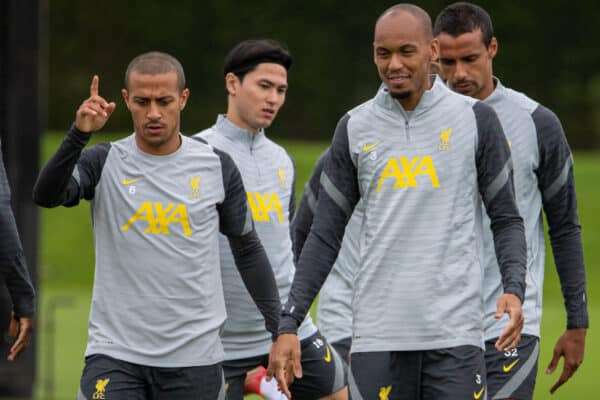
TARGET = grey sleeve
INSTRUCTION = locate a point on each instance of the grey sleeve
(248, 253)
(557, 185)
(337, 198)
(292, 205)
(306, 209)
(71, 173)
(495, 178)
(13, 267)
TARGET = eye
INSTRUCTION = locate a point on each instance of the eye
(281, 90)
(447, 62)
(165, 102)
(141, 102)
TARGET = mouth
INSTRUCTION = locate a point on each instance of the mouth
(268, 112)
(154, 128)
(462, 87)
(399, 79)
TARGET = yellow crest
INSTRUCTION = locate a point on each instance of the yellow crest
(445, 139)
(384, 392)
(281, 174)
(195, 186)
(100, 388)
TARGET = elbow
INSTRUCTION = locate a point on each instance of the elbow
(41, 200)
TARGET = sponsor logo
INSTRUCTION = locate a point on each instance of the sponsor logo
(507, 368)
(327, 357)
(445, 139)
(195, 187)
(367, 147)
(477, 395)
(127, 182)
(159, 217)
(384, 392)
(405, 172)
(261, 205)
(100, 389)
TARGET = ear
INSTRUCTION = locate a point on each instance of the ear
(183, 99)
(231, 83)
(125, 97)
(493, 47)
(434, 50)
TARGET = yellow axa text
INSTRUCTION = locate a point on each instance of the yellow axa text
(261, 204)
(405, 172)
(159, 216)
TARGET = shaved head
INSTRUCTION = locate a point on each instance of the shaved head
(420, 14)
(155, 63)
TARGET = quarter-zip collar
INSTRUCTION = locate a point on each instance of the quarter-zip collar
(237, 134)
(497, 95)
(427, 100)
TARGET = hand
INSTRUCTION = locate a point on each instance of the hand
(510, 304)
(571, 346)
(284, 361)
(93, 112)
(23, 327)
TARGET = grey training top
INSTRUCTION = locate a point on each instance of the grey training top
(158, 297)
(269, 177)
(421, 179)
(543, 174)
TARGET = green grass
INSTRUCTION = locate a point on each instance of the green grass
(66, 273)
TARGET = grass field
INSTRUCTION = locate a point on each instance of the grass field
(66, 272)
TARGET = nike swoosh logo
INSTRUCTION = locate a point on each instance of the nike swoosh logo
(327, 357)
(476, 396)
(507, 368)
(130, 181)
(369, 147)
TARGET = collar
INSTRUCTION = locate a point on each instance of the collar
(427, 100)
(237, 134)
(498, 93)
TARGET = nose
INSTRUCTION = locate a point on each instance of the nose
(396, 62)
(273, 96)
(153, 111)
(460, 72)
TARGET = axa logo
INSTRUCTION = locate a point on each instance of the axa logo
(445, 139)
(263, 204)
(159, 216)
(404, 172)
(100, 389)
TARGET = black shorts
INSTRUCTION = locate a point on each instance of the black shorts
(343, 348)
(511, 374)
(323, 371)
(444, 374)
(106, 378)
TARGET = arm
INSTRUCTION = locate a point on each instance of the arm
(557, 186)
(306, 210)
(495, 178)
(248, 253)
(337, 198)
(13, 271)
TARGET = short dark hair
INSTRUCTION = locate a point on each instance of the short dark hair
(245, 56)
(463, 17)
(154, 63)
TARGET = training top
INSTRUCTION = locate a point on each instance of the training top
(543, 175)
(13, 267)
(421, 176)
(158, 297)
(334, 309)
(269, 175)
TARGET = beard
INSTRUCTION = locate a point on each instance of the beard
(401, 95)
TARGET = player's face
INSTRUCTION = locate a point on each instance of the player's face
(466, 63)
(255, 100)
(155, 104)
(402, 54)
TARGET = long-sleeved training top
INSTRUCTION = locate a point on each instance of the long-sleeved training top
(421, 175)
(543, 175)
(157, 297)
(13, 267)
(269, 176)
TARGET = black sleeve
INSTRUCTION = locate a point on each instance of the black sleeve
(58, 185)
(557, 185)
(13, 268)
(495, 178)
(249, 255)
(337, 198)
(308, 203)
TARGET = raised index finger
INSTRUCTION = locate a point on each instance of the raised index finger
(94, 86)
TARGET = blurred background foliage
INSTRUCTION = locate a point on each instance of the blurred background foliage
(547, 50)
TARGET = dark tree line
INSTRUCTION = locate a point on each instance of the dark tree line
(547, 50)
